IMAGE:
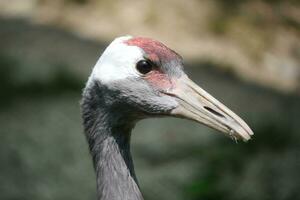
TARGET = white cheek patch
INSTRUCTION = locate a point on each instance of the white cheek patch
(117, 62)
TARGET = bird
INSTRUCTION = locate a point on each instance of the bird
(137, 78)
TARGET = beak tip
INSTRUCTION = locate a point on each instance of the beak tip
(251, 133)
(241, 132)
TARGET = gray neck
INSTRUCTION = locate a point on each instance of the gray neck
(109, 141)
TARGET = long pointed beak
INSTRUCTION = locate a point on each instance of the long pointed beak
(198, 105)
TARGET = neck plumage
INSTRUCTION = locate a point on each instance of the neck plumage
(109, 142)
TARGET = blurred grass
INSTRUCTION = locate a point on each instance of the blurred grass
(227, 161)
(59, 82)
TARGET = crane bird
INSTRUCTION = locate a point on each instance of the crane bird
(137, 78)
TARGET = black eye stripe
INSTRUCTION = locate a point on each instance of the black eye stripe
(144, 66)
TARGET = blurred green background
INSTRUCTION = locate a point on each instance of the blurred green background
(246, 53)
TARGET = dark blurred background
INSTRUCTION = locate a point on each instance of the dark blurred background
(246, 53)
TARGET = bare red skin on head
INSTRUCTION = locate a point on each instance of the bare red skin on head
(159, 80)
(156, 52)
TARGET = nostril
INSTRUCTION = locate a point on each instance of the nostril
(213, 111)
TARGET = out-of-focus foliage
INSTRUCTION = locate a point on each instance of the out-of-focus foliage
(43, 68)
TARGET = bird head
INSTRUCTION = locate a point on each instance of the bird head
(144, 78)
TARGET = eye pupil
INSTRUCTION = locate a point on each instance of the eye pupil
(144, 66)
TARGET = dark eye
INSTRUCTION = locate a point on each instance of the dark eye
(144, 66)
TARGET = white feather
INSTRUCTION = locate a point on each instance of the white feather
(117, 62)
